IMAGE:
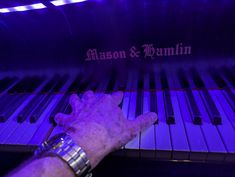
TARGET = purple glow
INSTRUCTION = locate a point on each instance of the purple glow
(23, 8)
(4, 10)
(38, 6)
(64, 2)
(20, 8)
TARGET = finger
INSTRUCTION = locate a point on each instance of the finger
(142, 122)
(88, 96)
(75, 103)
(63, 119)
(117, 97)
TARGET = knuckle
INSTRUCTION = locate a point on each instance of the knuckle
(107, 97)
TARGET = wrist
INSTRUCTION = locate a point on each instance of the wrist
(95, 147)
(65, 148)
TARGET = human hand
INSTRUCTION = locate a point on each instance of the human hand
(98, 125)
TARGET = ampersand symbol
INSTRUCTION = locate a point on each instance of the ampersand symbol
(134, 53)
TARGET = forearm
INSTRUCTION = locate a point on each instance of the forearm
(47, 166)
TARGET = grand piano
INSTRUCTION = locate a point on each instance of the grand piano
(175, 58)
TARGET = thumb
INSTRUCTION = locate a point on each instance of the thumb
(142, 122)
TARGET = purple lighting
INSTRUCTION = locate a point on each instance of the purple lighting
(64, 2)
(38, 6)
(23, 8)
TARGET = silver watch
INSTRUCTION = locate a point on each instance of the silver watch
(63, 146)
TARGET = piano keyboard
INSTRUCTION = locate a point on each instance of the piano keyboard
(195, 122)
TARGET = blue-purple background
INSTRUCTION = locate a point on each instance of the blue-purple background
(60, 36)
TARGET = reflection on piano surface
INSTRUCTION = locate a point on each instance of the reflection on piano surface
(196, 110)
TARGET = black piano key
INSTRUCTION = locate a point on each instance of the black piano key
(229, 75)
(27, 84)
(230, 97)
(170, 118)
(152, 81)
(47, 99)
(34, 116)
(22, 116)
(59, 108)
(153, 102)
(217, 78)
(31, 84)
(122, 87)
(18, 86)
(6, 83)
(140, 95)
(197, 79)
(112, 81)
(34, 83)
(208, 101)
(85, 82)
(9, 110)
(153, 95)
(75, 84)
(29, 108)
(183, 80)
(60, 83)
(196, 116)
(212, 110)
(50, 84)
(169, 109)
(164, 81)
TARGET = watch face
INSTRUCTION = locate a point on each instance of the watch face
(56, 141)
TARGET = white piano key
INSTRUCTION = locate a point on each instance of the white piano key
(41, 133)
(226, 130)
(147, 138)
(125, 103)
(126, 96)
(179, 140)
(216, 148)
(227, 107)
(35, 131)
(195, 137)
(133, 146)
(8, 128)
(162, 131)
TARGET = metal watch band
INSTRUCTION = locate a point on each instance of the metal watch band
(63, 146)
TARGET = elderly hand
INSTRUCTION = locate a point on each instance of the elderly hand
(98, 125)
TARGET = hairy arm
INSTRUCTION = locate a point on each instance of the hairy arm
(98, 125)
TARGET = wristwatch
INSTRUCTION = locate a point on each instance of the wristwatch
(63, 146)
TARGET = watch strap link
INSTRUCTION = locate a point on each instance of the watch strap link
(64, 147)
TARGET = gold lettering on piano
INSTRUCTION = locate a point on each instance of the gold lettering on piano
(145, 51)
